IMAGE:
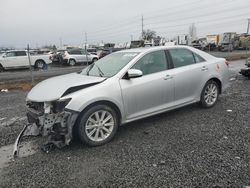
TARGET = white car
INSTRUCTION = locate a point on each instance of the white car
(123, 87)
(71, 57)
(19, 59)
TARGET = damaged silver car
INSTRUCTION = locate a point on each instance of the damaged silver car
(122, 87)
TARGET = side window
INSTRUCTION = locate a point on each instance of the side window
(152, 62)
(181, 57)
(198, 58)
(10, 54)
(78, 52)
(83, 52)
(75, 52)
(20, 53)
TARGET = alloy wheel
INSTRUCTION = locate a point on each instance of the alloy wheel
(211, 94)
(99, 125)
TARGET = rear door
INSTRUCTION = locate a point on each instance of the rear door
(152, 92)
(190, 74)
(22, 59)
(77, 55)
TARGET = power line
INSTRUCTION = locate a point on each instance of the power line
(200, 7)
(203, 21)
(218, 25)
(134, 24)
(204, 15)
(136, 17)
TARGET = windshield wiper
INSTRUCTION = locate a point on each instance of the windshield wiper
(90, 67)
(100, 71)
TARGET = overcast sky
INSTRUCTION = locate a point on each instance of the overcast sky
(41, 22)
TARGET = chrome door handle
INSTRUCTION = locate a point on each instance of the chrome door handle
(204, 68)
(168, 77)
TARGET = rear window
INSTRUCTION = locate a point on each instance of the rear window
(181, 57)
(75, 52)
(198, 58)
(20, 53)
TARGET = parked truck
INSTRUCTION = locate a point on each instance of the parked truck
(183, 40)
(244, 41)
(212, 42)
(228, 42)
(19, 59)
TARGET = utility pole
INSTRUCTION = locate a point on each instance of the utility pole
(86, 40)
(31, 72)
(142, 26)
(60, 39)
(248, 26)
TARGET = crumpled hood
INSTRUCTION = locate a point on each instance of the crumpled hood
(53, 88)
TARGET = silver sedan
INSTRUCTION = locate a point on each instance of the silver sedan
(122, 87)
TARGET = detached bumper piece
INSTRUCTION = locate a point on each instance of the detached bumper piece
(245, 72)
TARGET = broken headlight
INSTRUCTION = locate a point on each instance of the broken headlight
(58, 106)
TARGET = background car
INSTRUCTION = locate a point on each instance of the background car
(19, 59)
(71, 57)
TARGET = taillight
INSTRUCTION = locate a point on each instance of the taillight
(227, 62)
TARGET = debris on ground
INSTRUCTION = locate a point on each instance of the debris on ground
(162, 162)
(5, 90)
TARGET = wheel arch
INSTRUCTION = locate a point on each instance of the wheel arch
(71, 58)
(102, 102)
(40, 60)
(218, 81)
(1, 67)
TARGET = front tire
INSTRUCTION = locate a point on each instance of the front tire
(98, 125)
(209, 94)
(1, 68)
(94, 60)
(40, 65)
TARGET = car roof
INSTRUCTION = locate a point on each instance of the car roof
(148, 49)
(16, 51)
(151, 49)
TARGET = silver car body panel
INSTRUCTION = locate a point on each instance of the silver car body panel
(138, 97)
(53, 88)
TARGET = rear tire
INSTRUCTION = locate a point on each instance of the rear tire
(40, 64)
(209, 94)
(98, 125)
(72, 62)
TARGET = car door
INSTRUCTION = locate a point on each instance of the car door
(152, 92)
(10, 60)
(85, 57)
(22, 59)
(190, 74)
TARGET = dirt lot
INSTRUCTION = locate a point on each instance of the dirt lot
(188, 147)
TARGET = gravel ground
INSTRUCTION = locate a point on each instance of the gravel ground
(188, 147)
(12, 112)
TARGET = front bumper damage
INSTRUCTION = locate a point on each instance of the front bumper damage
(43, 120)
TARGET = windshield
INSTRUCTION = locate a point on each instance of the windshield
(109, 65)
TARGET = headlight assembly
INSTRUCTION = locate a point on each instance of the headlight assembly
(59, 105)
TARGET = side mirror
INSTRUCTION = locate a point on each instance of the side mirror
(4, 55)
(134, 73)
